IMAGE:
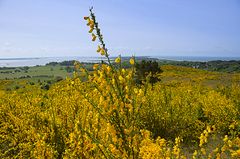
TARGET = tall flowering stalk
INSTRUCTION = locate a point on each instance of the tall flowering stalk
(120, 97)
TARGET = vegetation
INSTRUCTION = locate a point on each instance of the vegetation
(220, 66)
(147, 70)
(104, 114)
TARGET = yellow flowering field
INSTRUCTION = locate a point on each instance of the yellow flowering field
(107, 115)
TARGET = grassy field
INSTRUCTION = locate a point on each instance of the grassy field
(12, 78)
(36, 71)
(20, 76)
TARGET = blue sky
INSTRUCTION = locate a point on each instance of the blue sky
(43, 28)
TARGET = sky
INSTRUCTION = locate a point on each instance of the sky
(55, 28)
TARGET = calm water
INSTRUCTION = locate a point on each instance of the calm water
(196, 58)
(15, 62)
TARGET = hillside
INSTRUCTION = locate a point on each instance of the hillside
(109, 115)
(219, 66)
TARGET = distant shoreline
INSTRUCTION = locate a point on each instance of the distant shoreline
(23, 58)
(196, 58)
(34, 61)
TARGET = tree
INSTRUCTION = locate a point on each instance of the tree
(147, 71)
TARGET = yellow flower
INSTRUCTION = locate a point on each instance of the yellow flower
(91, 30)
(120, 78)
(223, 149)
(225, 138)
(86, 18)
(136, 90)
(94, 37)
(123, 71)
(91, 26)
(232, 126)
(236, 153)
(118, 60)
(203, 151)
(90, 22)
(132, 61)
(82, 70)
(108, 69)
(99, 49)
(195, 153)
(218, 156)
(216, 150)
(102, 51)
(113, 81)
(230, 143)
(95, 66)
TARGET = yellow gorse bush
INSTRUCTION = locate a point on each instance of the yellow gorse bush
(107, 115)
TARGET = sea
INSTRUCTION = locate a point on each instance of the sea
(20, 62)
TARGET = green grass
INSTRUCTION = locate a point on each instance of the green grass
(17, 77)
(36, 71)
(12, 78)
